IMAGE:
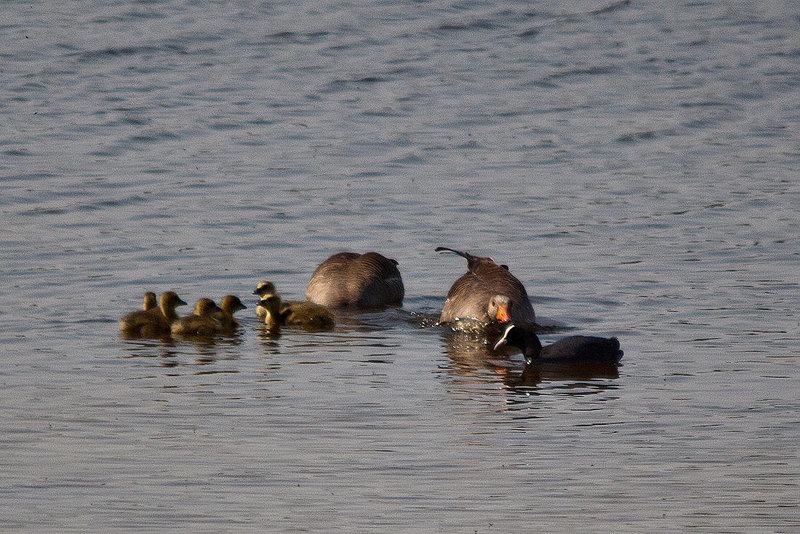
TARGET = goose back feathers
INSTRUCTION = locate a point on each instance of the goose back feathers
(486, 293)
(360, 280)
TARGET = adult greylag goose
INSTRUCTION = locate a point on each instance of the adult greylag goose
(367, 280)
(486, 294)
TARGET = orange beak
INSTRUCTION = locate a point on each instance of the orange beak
(502, 314)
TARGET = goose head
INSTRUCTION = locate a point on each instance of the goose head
(168, 302)
(499, 309)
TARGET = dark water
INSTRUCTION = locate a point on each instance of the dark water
(634, 164)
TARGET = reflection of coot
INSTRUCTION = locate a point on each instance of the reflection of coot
(564, 371)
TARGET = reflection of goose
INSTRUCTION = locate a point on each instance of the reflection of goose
(230, 305)
(487, 293)
(361, 280)
(472, 360)
(306, 315)
(153, 322)
(202, 322)
(567, 350)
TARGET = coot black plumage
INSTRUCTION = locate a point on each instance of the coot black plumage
(567, 350)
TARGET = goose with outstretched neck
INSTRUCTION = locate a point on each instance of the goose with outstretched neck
(486, 294)
(153, 322)
(202, 322)
(230, 305)
(348, 279)
(305, 315)
(572, 349)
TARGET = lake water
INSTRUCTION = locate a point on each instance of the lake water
(635, 165)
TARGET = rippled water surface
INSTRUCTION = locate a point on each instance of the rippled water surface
(635, 165)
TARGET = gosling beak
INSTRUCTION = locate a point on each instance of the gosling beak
(243, 307)
(255, 291)
(180, 302)
(503, 315)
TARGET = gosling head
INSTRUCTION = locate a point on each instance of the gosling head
(171, 300)
(264, 288)
(206, 306)
(232, 304)
(149, 301)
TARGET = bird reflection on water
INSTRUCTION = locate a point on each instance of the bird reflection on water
(171, 352)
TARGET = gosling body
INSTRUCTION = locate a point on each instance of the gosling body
(152, 322)
(263, 290)
(230, 305)
(203, 322)
(305, 315)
